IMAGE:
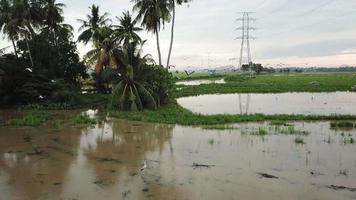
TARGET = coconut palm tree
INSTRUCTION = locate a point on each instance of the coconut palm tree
(127, 30)
(26, 16)
(153, 15)
(6, 26)
(53, 18)
(92, 24)
(130, 94)
(173, 4)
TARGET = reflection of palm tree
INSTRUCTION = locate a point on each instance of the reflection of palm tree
(128, 144)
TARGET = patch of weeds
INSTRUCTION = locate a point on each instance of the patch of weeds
(349, 140)
(47, 106)
(299, 140)
(211, 141)
(262, 131)
(342, 124)
(219, 127)
(279, 123)
(83, 119)
(57, 124)
(33, 118)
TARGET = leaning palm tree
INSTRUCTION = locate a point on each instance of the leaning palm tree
(173, 4)
(127, 29)
(92, 24)
(153, 15)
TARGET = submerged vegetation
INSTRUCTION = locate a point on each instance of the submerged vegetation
(33, 118)
(83, 119)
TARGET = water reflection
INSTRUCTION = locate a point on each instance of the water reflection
(104, 162)
(284, 103)
(200, 82)
(244, 106)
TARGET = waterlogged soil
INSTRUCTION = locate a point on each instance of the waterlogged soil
(340, 103)
(118, 159)
(200, 82)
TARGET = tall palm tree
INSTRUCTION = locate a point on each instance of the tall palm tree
(173, 4)
(6, 26)
(153, 15)
(102, 54)
(26, 16)
(53, 18)
(127, 30)
(92, 24)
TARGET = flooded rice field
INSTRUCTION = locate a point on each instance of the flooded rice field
(283, 103)
(200, 82)
(130, 160)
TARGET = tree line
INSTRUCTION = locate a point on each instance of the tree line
(45, 51)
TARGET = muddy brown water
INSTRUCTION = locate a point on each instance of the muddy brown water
(119, 159)
(283, 103)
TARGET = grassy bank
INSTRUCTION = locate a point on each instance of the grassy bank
(175, 114)
(318, 82)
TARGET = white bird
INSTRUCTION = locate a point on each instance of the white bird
(144, 165)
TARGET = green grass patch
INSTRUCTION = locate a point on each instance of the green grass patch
(219, 127)
(279, 123)
(83, 120)
(174, 114)
(33, 118)
(327, 82)
(83, 101)
(211, 141)
(342, 124)
(299, 140)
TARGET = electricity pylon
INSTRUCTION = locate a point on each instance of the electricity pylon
(245, 37)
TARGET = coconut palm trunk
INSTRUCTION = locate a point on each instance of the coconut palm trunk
(158, 48)
(29, 52)
(14, 45)
(172, 33)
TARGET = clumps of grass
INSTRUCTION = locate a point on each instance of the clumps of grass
(33, 118)
(342, 124)
(83, 120)
(299, 140)
(47, 106)
(349, 140)
(211, 141)
(261, 131)
(239, 78)
(287, 130)
(219, 127)
(172, 113)
(279, 123)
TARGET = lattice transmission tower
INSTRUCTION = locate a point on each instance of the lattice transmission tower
(245, 38)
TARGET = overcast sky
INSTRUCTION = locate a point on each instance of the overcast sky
(294, 32)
